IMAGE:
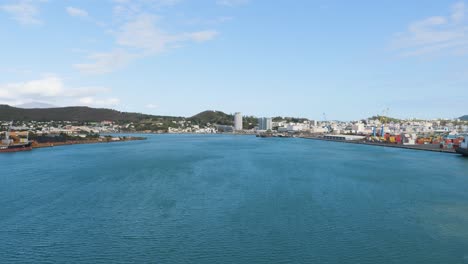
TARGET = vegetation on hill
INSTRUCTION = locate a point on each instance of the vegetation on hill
(75, 113)
(464, 118)
(249, 122)
(140, 121)
(212, 117)
(221, 118)
(385, 119)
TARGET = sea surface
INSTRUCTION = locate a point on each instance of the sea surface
(232, 199)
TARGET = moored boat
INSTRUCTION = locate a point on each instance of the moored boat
(14, 145)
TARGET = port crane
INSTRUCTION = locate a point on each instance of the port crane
(326, 125)
(382, 118)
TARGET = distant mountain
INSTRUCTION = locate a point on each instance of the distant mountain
(464, 118)
(82, 113)
(88, 114)
(74, 113)
(32, 105)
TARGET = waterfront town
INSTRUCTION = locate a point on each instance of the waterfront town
(440, 134)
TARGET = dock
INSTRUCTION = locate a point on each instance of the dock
(423, 147)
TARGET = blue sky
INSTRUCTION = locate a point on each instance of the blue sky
(348, 59)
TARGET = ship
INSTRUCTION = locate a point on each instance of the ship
(16, 147)
(10, 145)
(463, 148)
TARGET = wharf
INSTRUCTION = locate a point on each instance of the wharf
(80, 142)
(425, 147)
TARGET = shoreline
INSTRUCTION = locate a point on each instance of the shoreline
(429, 147)
(69, 143)
(425, 147)
(182, 133)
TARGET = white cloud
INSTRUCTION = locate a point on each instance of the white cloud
(202, 36)
(159, 3)
(147, 3)
(143, 33)
(212, 21)
(83, 14)
(105, 62)
(129, 9)
(151, 106)
(26, 12)
(137, 35)
(76, 12)
(92, 101)
(232, 3)
(51, 89)
(435, 35)
(46, 87)
(458, 12)
(86, 91)
(138, 38)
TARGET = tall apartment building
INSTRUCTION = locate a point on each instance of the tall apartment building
(238, 121)
(264, 123)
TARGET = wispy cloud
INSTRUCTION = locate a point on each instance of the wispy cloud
(232, 3)
(435, 35)
(25, 12)
(106, 62)
(128, 9)
(51, 89)
(151, 106)
(143, 33)
(92, 101)
(209, 21)
(137, 38)
(76, 12)
(83, 14)
(458, 12)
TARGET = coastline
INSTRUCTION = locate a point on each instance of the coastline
(431, 147)
(183, 133)
(68, 143)
(425, 147)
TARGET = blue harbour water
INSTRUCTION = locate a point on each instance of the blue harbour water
(232, 199)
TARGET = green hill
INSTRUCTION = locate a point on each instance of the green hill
(212, 117)
(464, 118)
(221, 118)
(75, 113)
(385, 119)
(88, 114)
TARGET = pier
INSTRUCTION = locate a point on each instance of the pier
(424, 147)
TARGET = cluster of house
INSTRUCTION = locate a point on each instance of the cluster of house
(369, 127)
(361, 127)
(193, 129)
(62, 127)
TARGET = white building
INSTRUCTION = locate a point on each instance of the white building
(358, 128)
(297, 127)
(265, 123)
(238, 121)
